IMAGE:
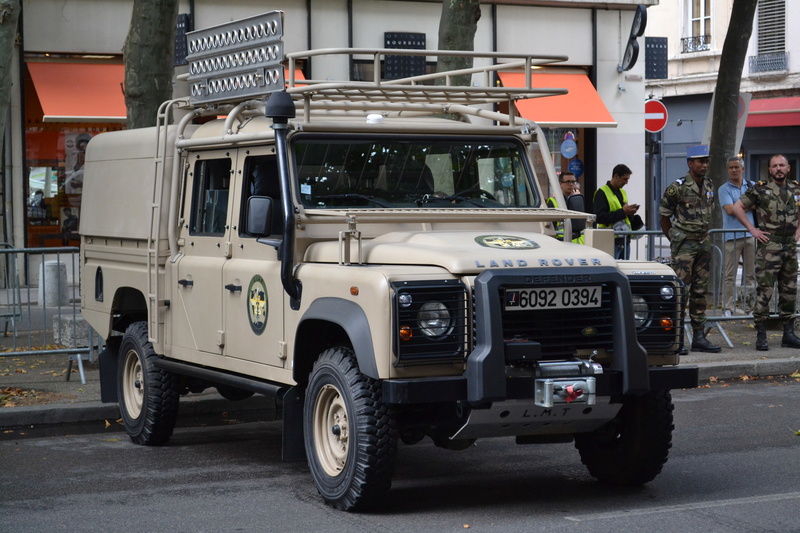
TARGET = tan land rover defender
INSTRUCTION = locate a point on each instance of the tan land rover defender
(379, 257)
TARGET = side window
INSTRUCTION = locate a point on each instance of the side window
(261, 179)
(212, 178)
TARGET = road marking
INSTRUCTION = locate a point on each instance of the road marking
(687, 507)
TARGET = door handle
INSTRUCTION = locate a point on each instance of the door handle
(185, 282)
(233, 288)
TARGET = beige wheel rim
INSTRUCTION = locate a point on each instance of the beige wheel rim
(133, 385)
(331, 430)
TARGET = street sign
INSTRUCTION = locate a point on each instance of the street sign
(569, 148)
(655, 116)
(576, 166)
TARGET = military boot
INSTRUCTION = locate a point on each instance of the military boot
(701, 344)
(761, 339)
(789, 339)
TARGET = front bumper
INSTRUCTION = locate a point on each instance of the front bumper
(454, 389)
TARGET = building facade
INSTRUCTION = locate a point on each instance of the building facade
(70, 83)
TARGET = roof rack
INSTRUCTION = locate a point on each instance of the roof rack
(410, 93)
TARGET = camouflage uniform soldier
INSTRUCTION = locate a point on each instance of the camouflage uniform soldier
(776, 202)
(685, 214)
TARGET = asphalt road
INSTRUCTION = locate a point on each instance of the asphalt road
(733, 468)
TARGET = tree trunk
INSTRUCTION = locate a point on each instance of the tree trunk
(9, 15)
(726, 94)
(457, 28)
(148, 56)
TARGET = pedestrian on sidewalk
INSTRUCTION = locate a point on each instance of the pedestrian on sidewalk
(612, 209)
(776, 202)
(685, 215)
(738, 243)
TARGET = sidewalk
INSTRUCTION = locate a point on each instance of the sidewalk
(34, 391)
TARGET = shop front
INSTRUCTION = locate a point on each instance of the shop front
(568, 120)
(66, 104)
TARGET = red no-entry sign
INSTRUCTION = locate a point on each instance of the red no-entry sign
(655, 116)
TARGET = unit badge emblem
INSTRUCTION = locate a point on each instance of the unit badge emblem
(506, 242)
(257, 304)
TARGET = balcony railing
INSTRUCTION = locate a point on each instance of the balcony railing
(775, 61)
(698, 43)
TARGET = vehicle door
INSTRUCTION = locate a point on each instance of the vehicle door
(253, 299)
(205, 247)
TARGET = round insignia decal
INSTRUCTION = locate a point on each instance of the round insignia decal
(672, 190)
(506, 241)
(257, 304)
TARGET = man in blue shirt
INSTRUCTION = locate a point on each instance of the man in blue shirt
(739, 244)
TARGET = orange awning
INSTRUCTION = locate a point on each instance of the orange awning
(79, 92)
(580, 107)
(770, 112)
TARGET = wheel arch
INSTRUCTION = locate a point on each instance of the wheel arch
(129, 306)
(328, 322)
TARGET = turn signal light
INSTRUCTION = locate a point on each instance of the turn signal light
(666, 324)
(405, 333)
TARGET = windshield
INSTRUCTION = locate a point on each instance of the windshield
(411, 172)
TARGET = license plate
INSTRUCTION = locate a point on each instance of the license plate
(552, 298)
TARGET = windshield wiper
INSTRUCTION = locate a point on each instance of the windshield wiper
(425, 198)
(357, 196)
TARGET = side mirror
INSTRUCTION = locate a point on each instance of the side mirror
(259, 216)
(576, 203)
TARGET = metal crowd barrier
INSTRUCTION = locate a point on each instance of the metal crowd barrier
(40, 306)
(737, 297)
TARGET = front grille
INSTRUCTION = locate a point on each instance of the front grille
(562, 332)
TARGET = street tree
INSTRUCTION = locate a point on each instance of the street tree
(9, 16)
(726, 93)
(457, 27)
(148, 57)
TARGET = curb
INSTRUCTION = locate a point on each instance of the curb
(760, 368)
(206, 409)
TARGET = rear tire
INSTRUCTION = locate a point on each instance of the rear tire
(148, 396)
(631, 449)
(350, 435)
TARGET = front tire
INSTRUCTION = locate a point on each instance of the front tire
(631, 449)
(350, 434)
(148, 395)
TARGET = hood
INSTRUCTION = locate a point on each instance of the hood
(465, 252)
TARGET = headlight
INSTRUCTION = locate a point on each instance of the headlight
(641, 311)
(667, 292)
(431, 321)
(434, 320)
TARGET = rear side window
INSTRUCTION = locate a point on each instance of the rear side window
(212, 179)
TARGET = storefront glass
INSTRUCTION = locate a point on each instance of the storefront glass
(54, 170)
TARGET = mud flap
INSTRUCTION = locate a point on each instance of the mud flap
(293, 445)
(108, 360)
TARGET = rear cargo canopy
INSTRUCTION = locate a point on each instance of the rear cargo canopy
(119, 179)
